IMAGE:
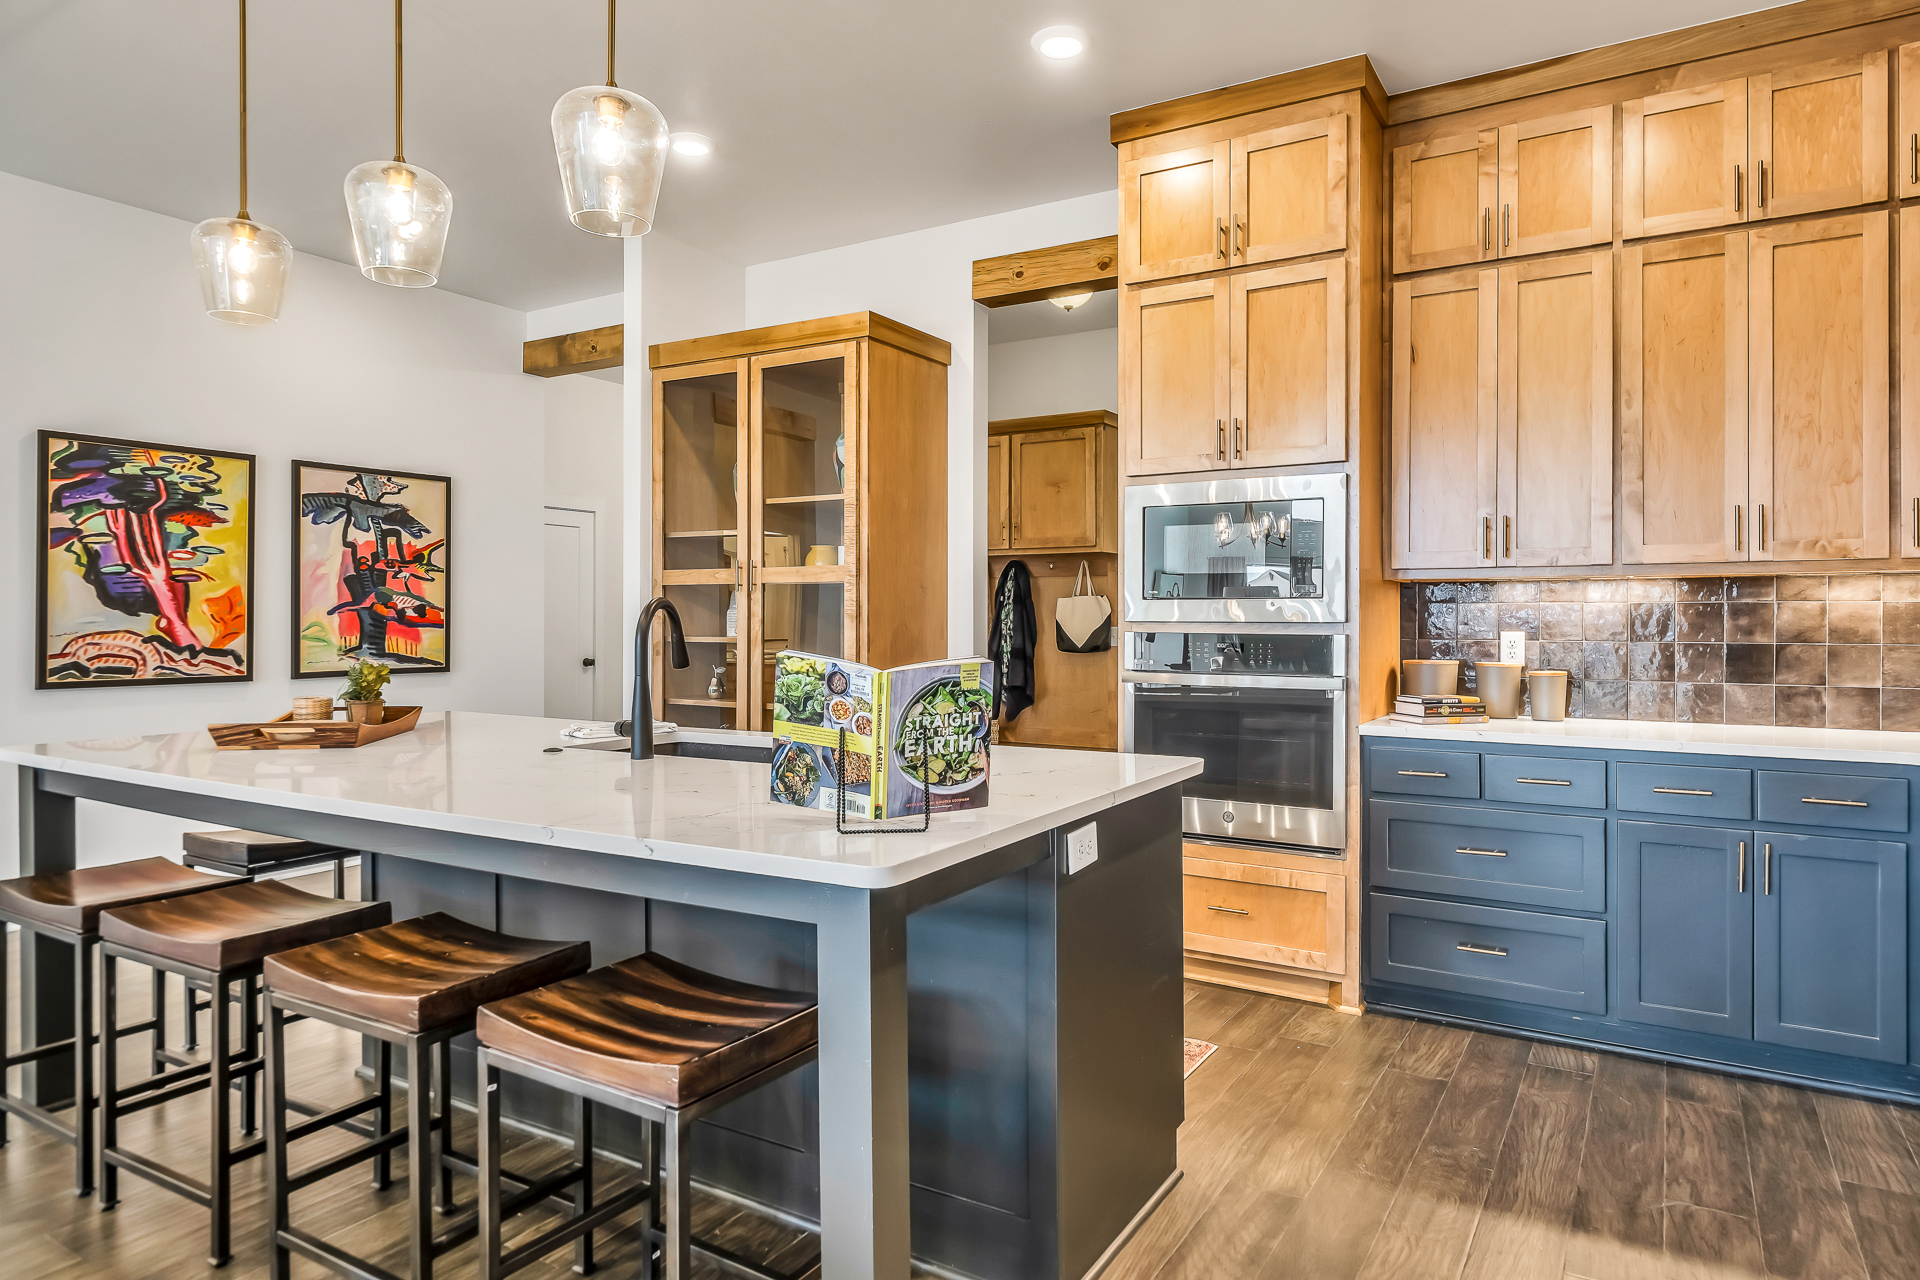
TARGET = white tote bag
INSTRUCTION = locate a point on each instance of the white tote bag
(1083, 621)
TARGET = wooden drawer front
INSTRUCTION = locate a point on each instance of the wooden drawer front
(1453, 774)
(1833, 800)
(1528, 956)
(1683, 790)
(1545, 780)
(1540, 859)
(1275, 915)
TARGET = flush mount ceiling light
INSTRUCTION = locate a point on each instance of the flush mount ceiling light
(692, 144)
(1060, 42)
(242, 264)
(1071, 300)
(399, 211)
(612, 146)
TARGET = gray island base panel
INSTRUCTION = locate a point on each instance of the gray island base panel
(999, 1084)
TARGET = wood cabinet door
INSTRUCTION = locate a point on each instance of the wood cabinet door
(1289, 365)
(1445, 390)
(1174, 377)
(1830, 945)
(1683, 158)
(1289, 192)
(1684, 921)
(1818, 135)
(1444, 192)
(1817, 398)
(1173, 213)
(1906, 142)
(1910, 380)
(998, 533)
(1555, 501)
(1683, 400)
(1054, 486)
(1271, 914)
(1556, 183)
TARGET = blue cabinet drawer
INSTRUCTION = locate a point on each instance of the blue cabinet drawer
(1539, 859)
(1527, 956)
(1833, 800)
(1453, 774)
(1578, 784)
(1683, 790)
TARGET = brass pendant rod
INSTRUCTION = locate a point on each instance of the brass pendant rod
(610, 83)
(399, 89)
(243, 112)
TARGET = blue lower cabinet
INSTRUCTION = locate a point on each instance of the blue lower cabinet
(1529, 956)
(1683, 935)
(1554, 780)
(1830, 945)
(1534, 859)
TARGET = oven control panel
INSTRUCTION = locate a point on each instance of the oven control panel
(1227, 653)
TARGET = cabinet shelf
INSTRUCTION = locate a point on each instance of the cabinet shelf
(805, 497)
(701, 533)
(700, 702)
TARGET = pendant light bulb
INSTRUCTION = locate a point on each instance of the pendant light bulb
(242, 265)
(399, 211)
(612, 149)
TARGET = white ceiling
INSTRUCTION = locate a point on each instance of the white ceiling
(1027, 320)
(835, 121)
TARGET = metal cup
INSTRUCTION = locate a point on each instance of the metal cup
(1547, 695)
(1429, 676)
(1498, 685)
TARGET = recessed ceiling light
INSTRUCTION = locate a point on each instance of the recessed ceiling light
(1060, 42)
(1071, 300)
(692, 144)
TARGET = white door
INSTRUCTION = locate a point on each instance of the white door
(570, 632)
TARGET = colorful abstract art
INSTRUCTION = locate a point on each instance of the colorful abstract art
(369, 569)
(146, 571)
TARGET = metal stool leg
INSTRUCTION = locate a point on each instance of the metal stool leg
(249, 1050)
(583, 1189)
(420, 1158)
(340, 878)
(489, 1159)
(219, 1081)
(677, 1248)
(383, 1112)
(83, 1086)
(109, 1078)
(443, 1126)
(650, 1139)
(279, 1198)
(191, 1040)
(159, 1041)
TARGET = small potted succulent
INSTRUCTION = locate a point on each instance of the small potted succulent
(365, 681)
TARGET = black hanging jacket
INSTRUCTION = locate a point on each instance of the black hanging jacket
(1012, 635)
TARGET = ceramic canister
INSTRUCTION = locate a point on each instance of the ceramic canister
(1498, 685)
(1547, 695)
(1429, 676)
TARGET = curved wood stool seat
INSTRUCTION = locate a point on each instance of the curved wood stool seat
(654, 1038)
(416, 984)
(217, 939)
(66, 905)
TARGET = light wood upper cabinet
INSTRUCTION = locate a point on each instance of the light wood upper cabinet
(1556, 183)
(1910, 379)
(1555, 450)
(1289, 365)
(1445, 393)
(1173, 213)
(1174, 376)
(999, 531)
(1906, 143)
(1054, 477)
(1819, 136)
(1683, 400)
(1289, 192)
(1817, 343)
(1444, 194)
(1683, 160)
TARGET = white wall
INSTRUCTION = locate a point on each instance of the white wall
(1063, 374)
(102, 330)
(575, 317)
(584, 439)
(925, 279)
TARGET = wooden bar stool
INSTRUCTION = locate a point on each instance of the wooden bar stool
(67, 905)
(216, 938)
(416, 985)
(650, 1037)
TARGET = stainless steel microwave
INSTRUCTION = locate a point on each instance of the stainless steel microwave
(1250, 549)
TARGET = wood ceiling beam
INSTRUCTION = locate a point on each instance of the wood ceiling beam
(581, 352)
(1053, 272)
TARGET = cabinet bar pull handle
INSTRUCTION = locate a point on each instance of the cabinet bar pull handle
(1240, 237)
(1506, 537)
(1421, 773)
(1763, 526)
(1220, 436)
(1767, 867)
(1760, 186)
(1486, 229)
(1547, 782)
(1237, 450)
(1737, 522)
(1850, 804)
(1221, 223)
(1681, 791)
(1916, 522)
(1232, 911)
(1486, 528)
(1736, 188)
(1506, 225)
(1484, 853)
(1743, 867)
(1479, 950)
(1913, 159)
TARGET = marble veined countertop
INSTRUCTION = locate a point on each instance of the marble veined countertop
(1867, 746)
(490, 775)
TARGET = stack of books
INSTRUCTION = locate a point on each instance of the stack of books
(1434, 708)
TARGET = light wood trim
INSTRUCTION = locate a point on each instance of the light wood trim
(1053, 421)
(1265, 980)
(1132, 373)
(1872, 71)
(902, 487)
(1243, 253)
(1735, 202)
(1332, 444)
(802, 333)
(1343, 76)
(1599, 226)
(1650, 53)
(1132, 268)
(1731, 249)
(581, 352)
(1486, 143)
(1908, 522)
(1221, 880)
(999, 495)
(1485, 284)
(1053, 272)
(1906, 141)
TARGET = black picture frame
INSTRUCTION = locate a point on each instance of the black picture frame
(295, 519)
(43, 524)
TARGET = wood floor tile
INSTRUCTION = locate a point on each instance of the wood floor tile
(1615, 1229)
(1562, 1058)
(1708, 1088)
(1261, 1023)
(1318, 1024)
(1212, 1078)
(1887, 1224)
(1287, 1158)
(1702, 1244)
(1707, 1158)
(1522, 1228)
(1806, 1231)
(1210, 1007)
(1234, 1236)
(1431, 1050)
(1868, 1143)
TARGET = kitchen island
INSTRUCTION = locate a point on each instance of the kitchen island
(999, 1078)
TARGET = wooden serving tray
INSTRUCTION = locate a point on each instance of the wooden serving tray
(320, 733)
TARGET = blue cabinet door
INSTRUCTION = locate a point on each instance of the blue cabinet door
(1684, 927)
(1830, 945)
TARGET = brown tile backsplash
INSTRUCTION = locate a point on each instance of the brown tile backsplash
(1805, 649)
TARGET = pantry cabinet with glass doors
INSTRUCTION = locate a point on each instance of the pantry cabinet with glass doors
(799, 502)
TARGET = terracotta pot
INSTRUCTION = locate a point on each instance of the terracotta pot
(366, 712)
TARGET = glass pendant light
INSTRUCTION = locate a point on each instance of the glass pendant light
(242, 264)
(612, 146)
(399, 211)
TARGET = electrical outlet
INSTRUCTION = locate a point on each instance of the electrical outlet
(1513, 646)
(1083, 847)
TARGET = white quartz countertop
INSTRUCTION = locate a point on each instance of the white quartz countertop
(490, 775)
(1866, 746)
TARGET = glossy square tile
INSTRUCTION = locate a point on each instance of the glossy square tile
(1799, 706)
(1475, 621)
(1437, 620)
(1605, 621)
(1649, 701)
(1560, 621)
(1651, 622)
(1853, 622)
(1515, 617)
(1700, 663)
(1800, 664)
(1749, 664)
(1750, 622)
(1603, 700)
(1572, 589)
(1604, 660)
(1749, 704)
(1853, 665)
(1516, 592)
(1900, 710)
(1853, 708)
(1694, 590)
(1600, 589)
(1563, 655)
(1900, 666)
(1857, 586)
(1699, 703)
(1900, 622)
(1904, 587)
(1800, 621)
(1473, 592)
(1801, 587)
(1750, 588)
(1649, 660)
(1440, 591)
(1700, 622)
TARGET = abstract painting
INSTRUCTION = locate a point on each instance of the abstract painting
(369, 568)
(146, 565)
